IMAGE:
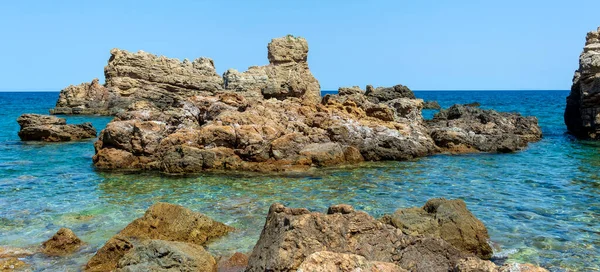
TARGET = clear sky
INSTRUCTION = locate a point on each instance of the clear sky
(424, 44)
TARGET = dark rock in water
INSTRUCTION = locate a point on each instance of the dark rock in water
(64, 242)
(447, 219)
(582, 113)
(384, 94)
(467, 129)
(290, 236)
(472, 104)
(159, 255)
(162, 221)
(36, 127)
(431, 105)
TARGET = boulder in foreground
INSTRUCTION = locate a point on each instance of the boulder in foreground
(159, 255)
(162, 221)
(36, 127)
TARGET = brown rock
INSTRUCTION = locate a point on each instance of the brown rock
(13, 252)
(447, 219)
(86, 98)
(475, 265)
(64, 242)
(291, 235)
(325, 261)
(516, 267)
(35, 127)
(236, 263)
(162, 221)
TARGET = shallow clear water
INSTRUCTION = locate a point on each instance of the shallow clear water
(540, 205)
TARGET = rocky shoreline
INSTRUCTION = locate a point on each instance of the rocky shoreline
(442, 235)
(182, 117)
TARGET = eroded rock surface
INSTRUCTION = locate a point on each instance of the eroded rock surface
(326, 261)
(159, 255)
(181, 117)
(290, 236)
(447, 219)
(582, 113)
(36, 127)
(162, 221)
(463, 129)
(64, 242)
(86, 98)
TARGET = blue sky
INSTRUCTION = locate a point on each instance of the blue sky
(426, 45)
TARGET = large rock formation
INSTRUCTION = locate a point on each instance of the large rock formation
(582, 114)
(36, 127)
(463, 129)
(86, 98)
(290, 236)
(447, 219)
(181, 117)
(164, 222)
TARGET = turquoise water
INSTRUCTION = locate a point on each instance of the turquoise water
(541, 205)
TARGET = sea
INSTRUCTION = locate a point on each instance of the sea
(540, 205)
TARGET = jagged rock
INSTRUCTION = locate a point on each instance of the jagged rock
(447, 219)
(86, 98)
(291, 235)
(431, 105)
(64, 242)
(467, 129)
(582, 113)
(162, 221)
(36, 127)
(472, 104)
(326, 261)
(11, 264)
(236, 263)
(159, 255)
(181, 117)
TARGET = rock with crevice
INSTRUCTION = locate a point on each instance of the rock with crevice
(446, 219)
(36, 127)
(160, 255)
(86, 98)
(290, 236)
(582, 113)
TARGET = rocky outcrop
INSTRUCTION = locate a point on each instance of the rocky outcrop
(86, 98)
(290, 236)
(159, 255)
(461, 129)
(162, 221)
(447, 219)
(582, 113)
(36, 127)
(236, 263)
(181, 117)
(64, 242)
(287, 74)
(431, 105)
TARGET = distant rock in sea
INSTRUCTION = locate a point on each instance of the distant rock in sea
(36, 127)
(582, 114)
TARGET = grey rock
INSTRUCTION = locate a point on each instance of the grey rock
(159, 255)
(36, 127)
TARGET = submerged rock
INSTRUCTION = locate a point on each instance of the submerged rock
(159, 255)
(463, 129)
(36, 127)
(11, 264)
(64, 242)
(582, 113)
(478, 265)
(162, 221)
(447, 219)
(290, 236)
